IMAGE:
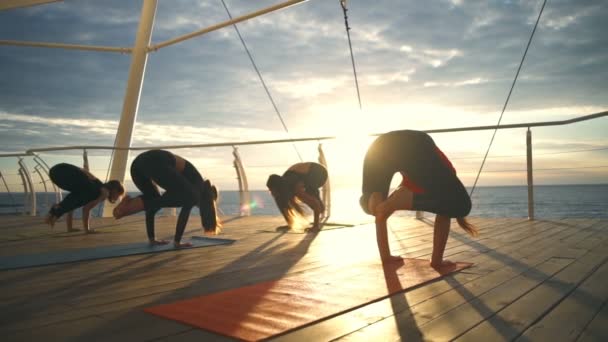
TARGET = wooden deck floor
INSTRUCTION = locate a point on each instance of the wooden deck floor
(532, 281)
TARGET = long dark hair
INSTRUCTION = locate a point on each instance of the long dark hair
(208, 207)
(467, 226)
(285, 198)
(116, 186)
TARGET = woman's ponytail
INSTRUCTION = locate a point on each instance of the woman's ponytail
(467, 226)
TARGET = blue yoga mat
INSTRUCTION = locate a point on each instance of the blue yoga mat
(93, 253)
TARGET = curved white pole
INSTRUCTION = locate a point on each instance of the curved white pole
(28, 178)
(327, 187)
(45, 167)
(245, 199)
(37, 170)
(130, 106)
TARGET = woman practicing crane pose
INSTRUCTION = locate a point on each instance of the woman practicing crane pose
(300, 182)
(184, 187)
(429, 184)
(85, 191)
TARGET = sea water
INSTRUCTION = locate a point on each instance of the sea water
(550, 201)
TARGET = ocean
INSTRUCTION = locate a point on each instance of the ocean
(551, 202)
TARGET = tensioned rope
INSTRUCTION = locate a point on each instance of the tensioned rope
(8, 191)
(350, 46)
(504, 107)
(255, 67)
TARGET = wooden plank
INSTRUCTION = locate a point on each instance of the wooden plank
(195, 335)
(568, 319)
(383, 328)
(426, 321)
(126, 326)
(597, 330)
(131, 277)
(524, 310)
(405, 325)
(115, 289)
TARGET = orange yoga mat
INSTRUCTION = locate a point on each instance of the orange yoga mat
(264, 310)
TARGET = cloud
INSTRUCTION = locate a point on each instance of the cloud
(557, 19)
(473, 81)
(83, 130)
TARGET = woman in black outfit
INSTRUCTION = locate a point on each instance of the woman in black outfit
(184, 187)
(300, 182)
(429, 184)
(85, 191)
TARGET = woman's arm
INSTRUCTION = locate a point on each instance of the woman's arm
(400, 199)
(312, 202)
(382, 212)
(86, 210)
(440, 238)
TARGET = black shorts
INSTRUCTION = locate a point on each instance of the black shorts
(415, 154)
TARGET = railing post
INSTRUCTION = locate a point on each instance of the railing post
(46, 197)
(44, 166)
(85, 160)
(245, 208)
(327, 187)
(530, 177)
(130, 105)
(25, 189)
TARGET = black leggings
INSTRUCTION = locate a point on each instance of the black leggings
(82, 189)
(181, 189)
(314, 179)
(415, 153)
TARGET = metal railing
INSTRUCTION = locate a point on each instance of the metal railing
(240, 169)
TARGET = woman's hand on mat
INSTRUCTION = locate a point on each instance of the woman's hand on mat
(177, 244)
(158, 242)
(50, 220)
(442, 264)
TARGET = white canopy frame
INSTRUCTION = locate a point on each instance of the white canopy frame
(139, 56)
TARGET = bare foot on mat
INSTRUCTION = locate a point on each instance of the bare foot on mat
(445, 264)
(392, 259)
(181, 244)
(158, 242)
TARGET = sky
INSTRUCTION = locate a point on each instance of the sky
(420, 65)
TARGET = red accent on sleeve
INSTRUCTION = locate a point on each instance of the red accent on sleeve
(406, 182)
(444, 159)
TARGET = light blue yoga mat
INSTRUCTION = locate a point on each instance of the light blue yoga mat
(93, 253)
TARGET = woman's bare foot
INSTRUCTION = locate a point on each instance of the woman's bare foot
(177, 244)
(442, 264)
(391, 258)
(90, 231)
(128, 206)
(158, 242)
